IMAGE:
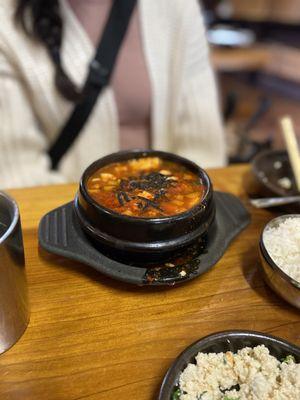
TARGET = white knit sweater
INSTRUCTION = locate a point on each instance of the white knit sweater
(185, 117)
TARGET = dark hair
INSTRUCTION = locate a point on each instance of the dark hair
(41, 20)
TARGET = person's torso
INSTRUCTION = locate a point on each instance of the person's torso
(130, 80)
(160, 37)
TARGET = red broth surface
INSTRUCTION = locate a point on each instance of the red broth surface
(146, 187)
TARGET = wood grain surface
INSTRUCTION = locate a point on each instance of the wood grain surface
(92, 338)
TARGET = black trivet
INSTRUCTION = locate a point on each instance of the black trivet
(60, 233)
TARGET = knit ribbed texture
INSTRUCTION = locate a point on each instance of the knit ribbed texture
(185, 115)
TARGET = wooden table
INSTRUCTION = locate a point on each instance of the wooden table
(92, 338)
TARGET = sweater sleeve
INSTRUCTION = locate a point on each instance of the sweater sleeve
(23, 158)
(199, 131)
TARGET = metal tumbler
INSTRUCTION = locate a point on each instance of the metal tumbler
(14, 311)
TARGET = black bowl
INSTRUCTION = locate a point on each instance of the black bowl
(222, 342)
(267, 169)
(143, 238)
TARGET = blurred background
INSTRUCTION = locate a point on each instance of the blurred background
(255, 50)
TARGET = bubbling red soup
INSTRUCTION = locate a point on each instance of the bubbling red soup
(148, 187)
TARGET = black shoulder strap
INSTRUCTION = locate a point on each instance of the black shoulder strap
(100, 71)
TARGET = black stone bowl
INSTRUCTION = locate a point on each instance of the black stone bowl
(143, 239)
(222, 342)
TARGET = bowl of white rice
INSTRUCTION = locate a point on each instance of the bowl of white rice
(235, 365)
(280, 256)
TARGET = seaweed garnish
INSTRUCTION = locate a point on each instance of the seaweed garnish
(179, 268)
(144, 203)
(122, 197)
(233, 387)
(154, 182)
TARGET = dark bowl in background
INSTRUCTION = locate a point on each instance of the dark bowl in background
(148, 239)
(265, 173)
(222, 342)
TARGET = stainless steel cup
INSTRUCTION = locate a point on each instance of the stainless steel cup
(14, 311)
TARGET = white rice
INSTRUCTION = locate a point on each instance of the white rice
(259, 375)
(283, 245)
